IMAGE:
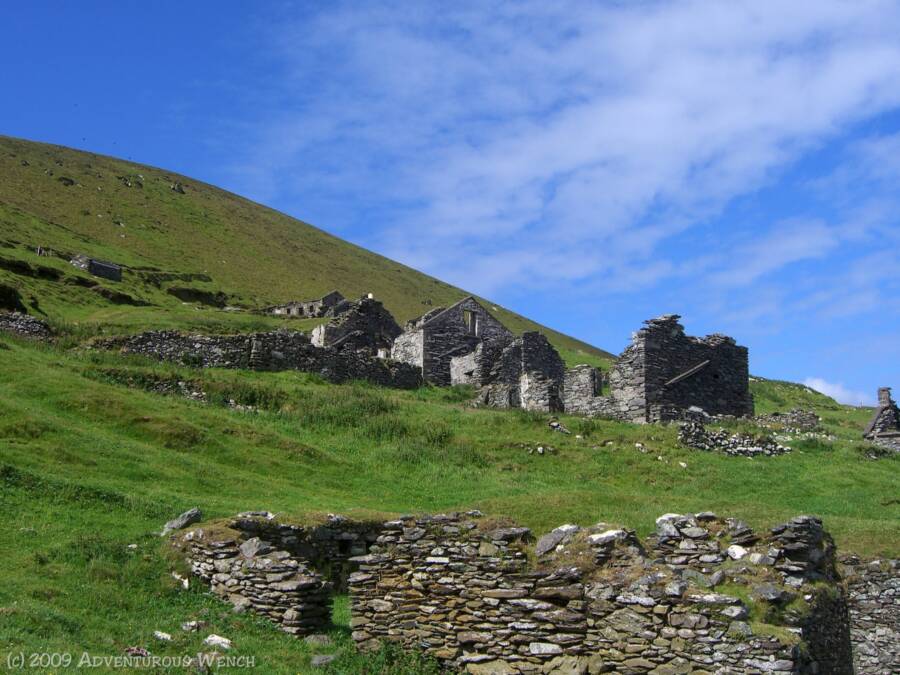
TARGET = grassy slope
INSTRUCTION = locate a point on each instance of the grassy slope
(256, 255)
(90, 466)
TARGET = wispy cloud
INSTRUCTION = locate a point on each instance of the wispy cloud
(535, 144)
(839, 392)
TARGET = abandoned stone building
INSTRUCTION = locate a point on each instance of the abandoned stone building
(309, 309)
(663, 373)
(884, 427)
(527, 374)
(363, 325)
(433, 340)
(98, 268)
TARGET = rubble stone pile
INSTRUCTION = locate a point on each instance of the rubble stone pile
(696, 435)
(24, 325)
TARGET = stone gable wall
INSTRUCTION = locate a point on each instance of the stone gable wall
(445, 335)
(711, 373)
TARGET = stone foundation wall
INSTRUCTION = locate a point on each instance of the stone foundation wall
(596, 601)
(275, 350)
(874, 598)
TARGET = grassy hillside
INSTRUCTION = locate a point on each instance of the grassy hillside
(91, 462)
(177, 233)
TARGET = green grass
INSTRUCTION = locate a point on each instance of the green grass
(91, 465)
(254, 255)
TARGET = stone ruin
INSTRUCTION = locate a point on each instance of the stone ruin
(694, 434)
(663, 373)
(884, 427)
(477, 595)
(24, 325)
(328, 305)
(362, 325)
(98, 268)
(431, 342)
(272, 351)
(527, 374)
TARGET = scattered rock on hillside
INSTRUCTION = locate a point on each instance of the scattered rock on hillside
(214, 640)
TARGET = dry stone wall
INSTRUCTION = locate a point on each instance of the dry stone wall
(874, 594)
(528, 373)
(464, 592)
(286, 572)
(476, 595)
(275, 350)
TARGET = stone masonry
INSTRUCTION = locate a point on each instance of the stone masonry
(884, 427)
(275, 350)
(24, 326)
(464, 592)
(476, 595)
(664, 372)
(432, 341)
(309, 309)
(364, 325)
(874, 594)
(527, 374)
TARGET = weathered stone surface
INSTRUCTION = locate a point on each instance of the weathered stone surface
(23, 325)
(189, 517)
(275, 350)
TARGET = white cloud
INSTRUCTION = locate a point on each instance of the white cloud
(539, 144)
(839, 392)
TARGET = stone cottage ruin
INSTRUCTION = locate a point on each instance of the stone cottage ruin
(884, 427)
(363, 325)
(309, 309)
(662, 373)
(432, 341)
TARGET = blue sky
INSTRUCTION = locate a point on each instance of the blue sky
(589, 164)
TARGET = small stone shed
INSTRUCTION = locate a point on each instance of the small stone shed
(434, 339)
(309, 309)
(98, 268)
(527, 374)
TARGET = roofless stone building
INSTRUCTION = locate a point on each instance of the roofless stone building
(435, 338)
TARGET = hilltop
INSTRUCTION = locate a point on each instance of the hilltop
(181, 238)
